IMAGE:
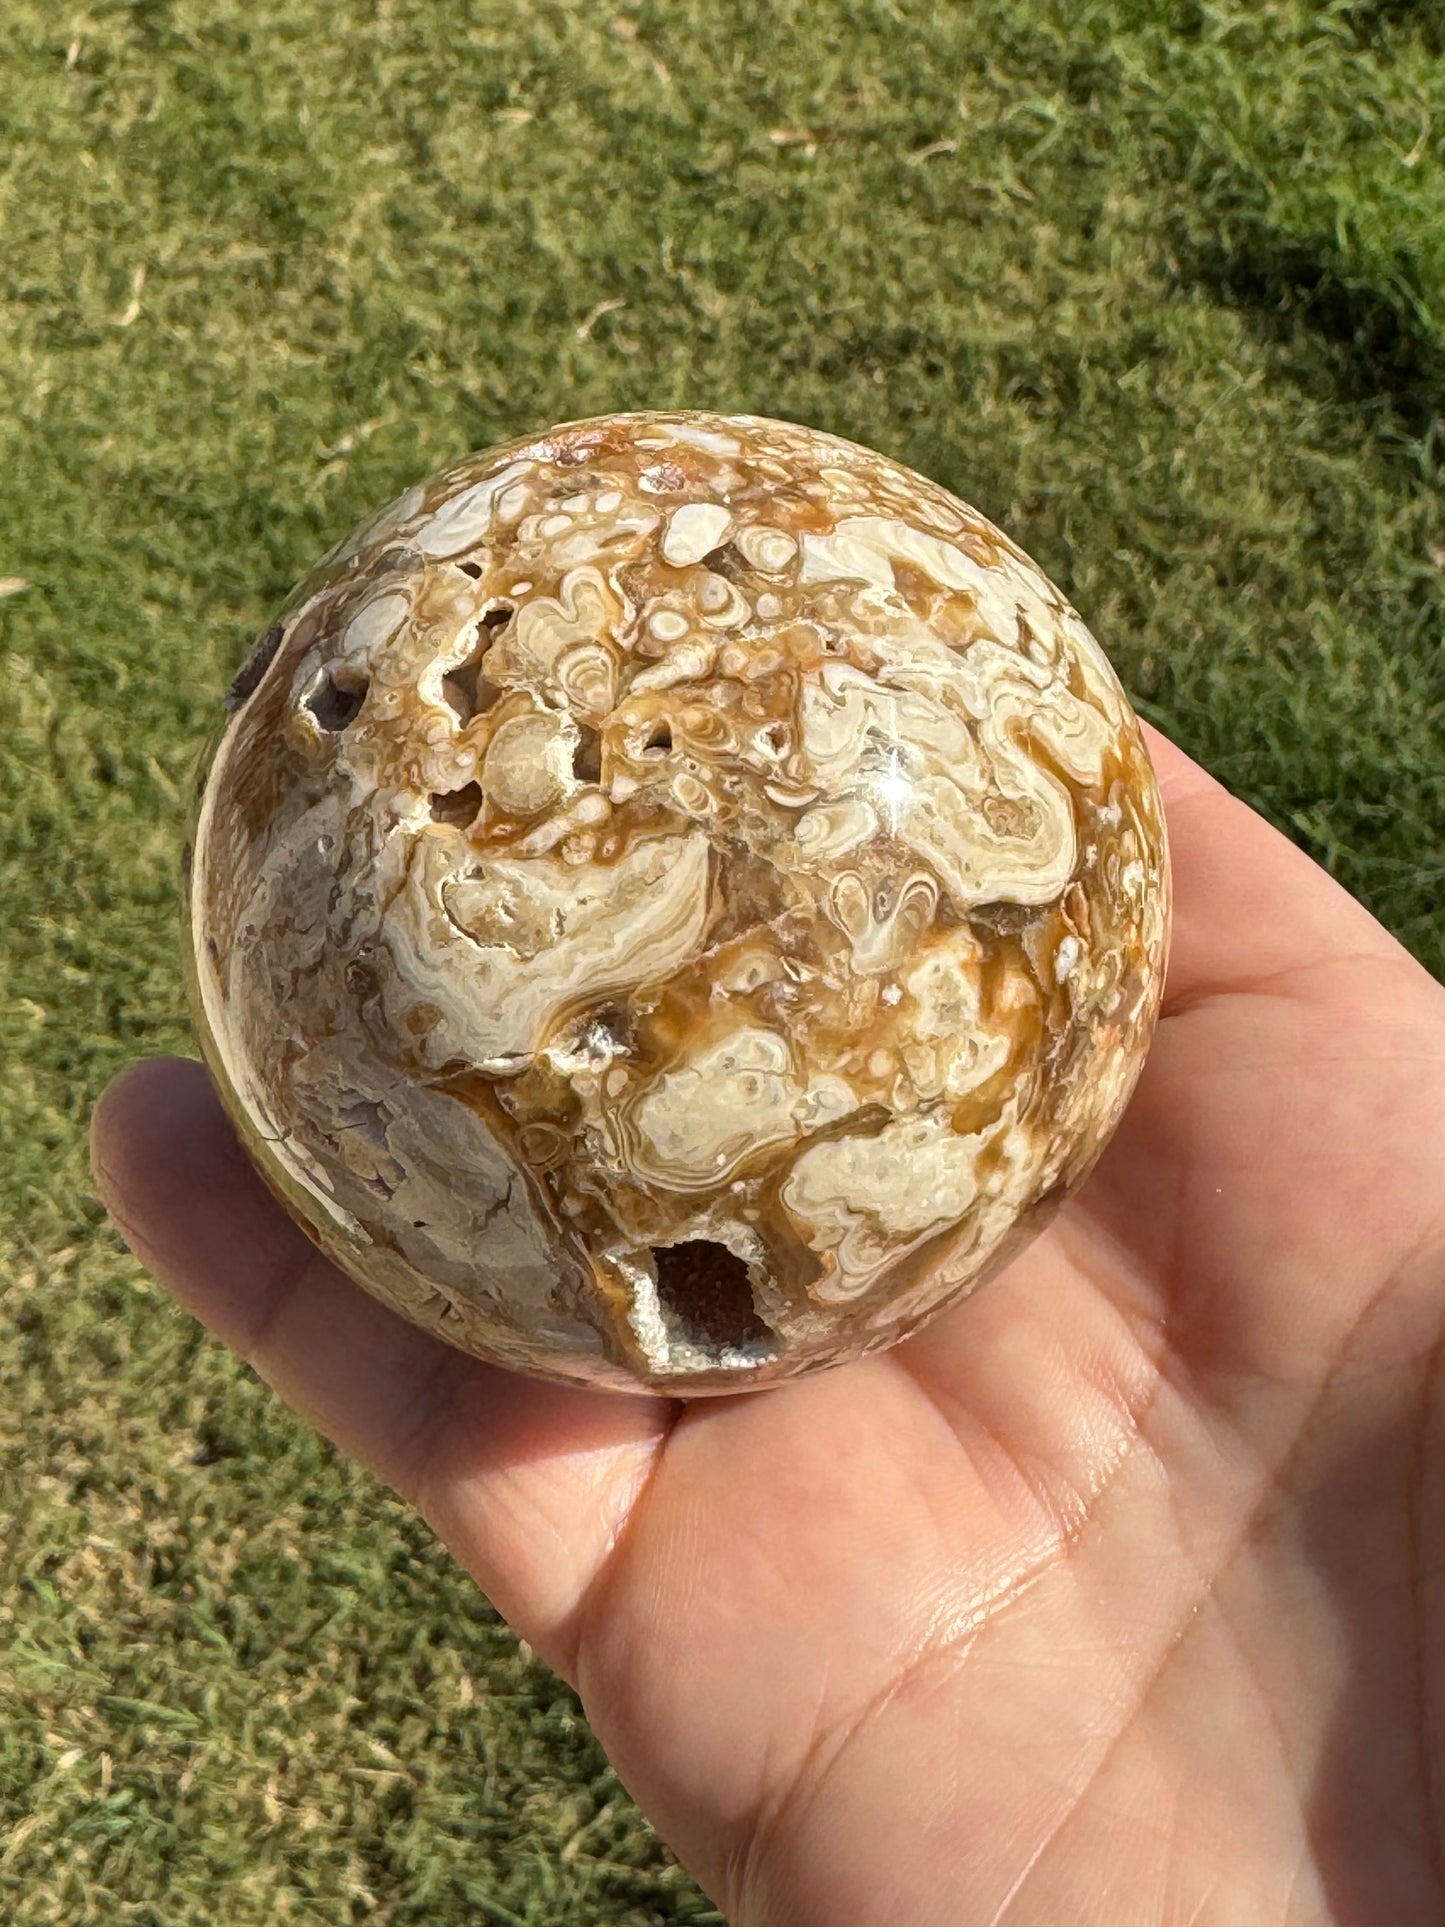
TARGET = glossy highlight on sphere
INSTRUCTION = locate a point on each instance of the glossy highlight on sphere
(676, 901)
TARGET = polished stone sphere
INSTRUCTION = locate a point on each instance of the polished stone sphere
(676, 902)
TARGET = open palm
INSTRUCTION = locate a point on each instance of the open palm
(1109, 1598)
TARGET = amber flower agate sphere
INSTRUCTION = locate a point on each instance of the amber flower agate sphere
(676, 901)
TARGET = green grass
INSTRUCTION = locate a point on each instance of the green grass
(1160, 287)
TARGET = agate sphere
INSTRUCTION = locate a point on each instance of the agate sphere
(675, 902)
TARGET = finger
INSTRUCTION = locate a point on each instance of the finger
(528, 1483)
(1250, 909)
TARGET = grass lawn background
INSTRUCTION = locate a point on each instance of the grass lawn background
(1160, 287)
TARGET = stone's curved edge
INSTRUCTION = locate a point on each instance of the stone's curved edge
(501, 1263)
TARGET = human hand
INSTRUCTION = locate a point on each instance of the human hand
(1108, 1598)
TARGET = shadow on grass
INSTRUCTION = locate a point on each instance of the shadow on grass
(1377, 350)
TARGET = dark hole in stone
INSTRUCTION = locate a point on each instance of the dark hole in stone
(658, 737)
(337, 698)
(466, 689)
(473, 569)
(457, 806)
(255, 667)
(704, 1291)
(587, 757)
(468, 692)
